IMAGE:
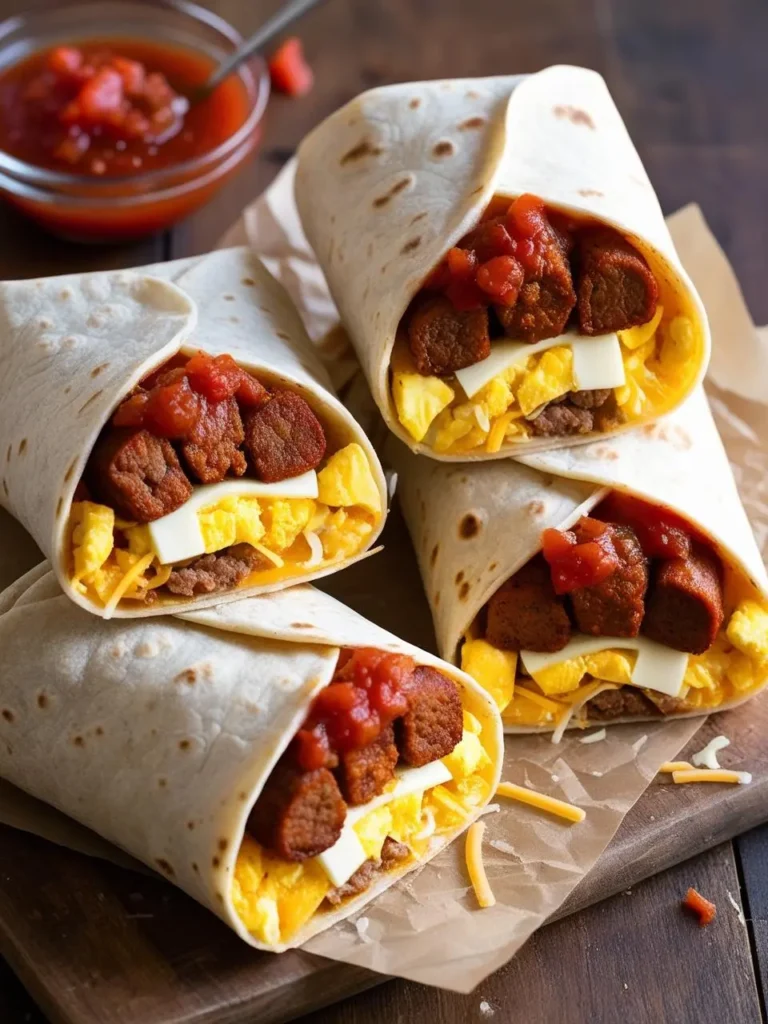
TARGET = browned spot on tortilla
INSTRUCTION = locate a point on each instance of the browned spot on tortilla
(536, 508)
(195, 868)
(216, 862)
(433, 556)
(187, 676)
(98, 369)
(463, 591)
(478, 189)
(471, 123)
(459, 576)
(443, 148)
(93, 398)
(9, 453)
(59, 504)
(397, 187)
(165, 867)
(42, 700)
(219, 897)
(283, 335)
(67, 389)
(248, 282)
(472, 95)
(162, 783)
(22, 445)
(302, 625)
(242, 797)
(229, 298)
(575, 116)
(410, 246)
(469, 526)
(437, 598)
(5, 486)
(363, 148)
(191, 826)
(184, 744)
(99, 731)
(590, 192)
(234, 319)
(70, 471)
(418, 217)
(415, 103)
(8, 715)
(492, 566)
(223, 844)
(78, 741)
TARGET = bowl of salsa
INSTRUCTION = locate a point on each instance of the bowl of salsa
(99, 137)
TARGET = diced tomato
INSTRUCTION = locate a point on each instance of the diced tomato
(220, 377)
(71, 148)
(289, 70)
(575, 565)
(101, 95)
(130, 413)
(132, 74)
(703, 908)
(526, 217)
(462, 263)
(65, 60)
(501, 277)
(489, 239)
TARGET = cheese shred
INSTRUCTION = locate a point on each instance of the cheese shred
(675, 766)
(541, 801)
(712, 775)
(476, 867)
(127, 582)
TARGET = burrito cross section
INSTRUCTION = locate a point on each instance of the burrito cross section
(208, 479)
(631, 612)
(386, 760)
(539, 324)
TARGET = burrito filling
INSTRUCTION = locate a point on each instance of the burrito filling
(629, 613)
(387, 760)
(539, 325)
(206, 479)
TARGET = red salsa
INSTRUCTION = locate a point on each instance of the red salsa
(661, 533)
(169, 402)
(582, 562)
(367, 693)
(110, 108)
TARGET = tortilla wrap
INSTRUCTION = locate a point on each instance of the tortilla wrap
(474, 526)
(386, 185)
(160, 734)
(73, 348)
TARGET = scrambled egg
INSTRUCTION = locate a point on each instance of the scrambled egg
(658, 357)
(343, 518)
(274, 898)
(734, 665)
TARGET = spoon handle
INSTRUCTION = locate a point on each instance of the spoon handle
(289, 12)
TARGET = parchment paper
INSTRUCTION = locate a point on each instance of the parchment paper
(428, 929)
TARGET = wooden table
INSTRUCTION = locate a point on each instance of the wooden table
(690, 77)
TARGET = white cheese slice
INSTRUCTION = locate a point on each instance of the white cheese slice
(346, 855)
(657, 667)
(597, 361)
(178, 535)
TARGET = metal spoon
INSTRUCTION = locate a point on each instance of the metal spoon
(289, 12)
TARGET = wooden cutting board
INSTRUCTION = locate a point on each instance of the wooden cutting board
(98, 944)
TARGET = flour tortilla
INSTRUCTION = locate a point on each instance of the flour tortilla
(73, 347)
(386, 185)
(160, 734)
(474, 526)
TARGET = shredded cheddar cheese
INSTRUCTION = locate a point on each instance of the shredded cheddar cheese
(541, 801)
(712, 775)
(543, 702)
(476, 867)
(127, 582)
(675, 766)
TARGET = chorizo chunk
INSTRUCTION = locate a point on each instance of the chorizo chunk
(525, 613)
(212, 449)
(562, 419)
(443, 339)
(626, 702)
(283, 438)
(546, 298)
(137, 474)
(617, 289)
(433, 723)
(363, 773)
(298, 814)
(615, 606)
(220, 571)
(392, 853)
(685, 603)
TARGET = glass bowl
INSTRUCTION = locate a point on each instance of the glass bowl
(87, 208)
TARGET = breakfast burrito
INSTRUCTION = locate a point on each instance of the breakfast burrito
(178, 443)
(612, 582)
(281, 759)
(501, 262)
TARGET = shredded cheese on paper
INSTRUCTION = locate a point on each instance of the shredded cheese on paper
(675, 766)
(707, 758)
(712, 775)
(541, 801)
(476, 867)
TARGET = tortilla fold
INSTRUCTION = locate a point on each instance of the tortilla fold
(389, 183)
(74, 347)
(474, 526)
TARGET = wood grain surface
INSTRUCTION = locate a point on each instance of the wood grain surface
(690, 78)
